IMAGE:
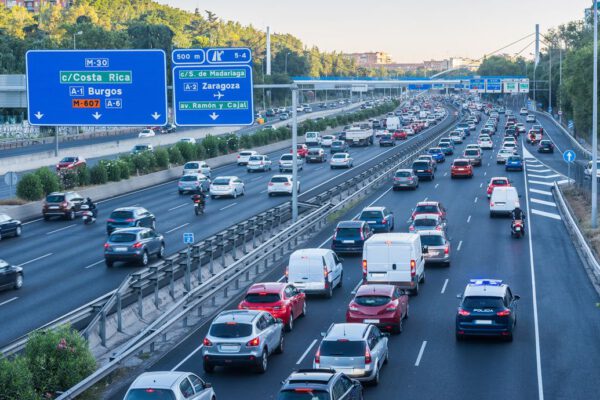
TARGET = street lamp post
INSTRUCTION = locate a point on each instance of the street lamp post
(595, 124)
(286, 56)
(78, 33)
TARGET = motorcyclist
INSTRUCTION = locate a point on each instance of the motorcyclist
(200, 199)
(91, 206)
(518, 215)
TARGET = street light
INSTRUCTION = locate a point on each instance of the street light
(595, 124)
(286, 56)
(79, 33)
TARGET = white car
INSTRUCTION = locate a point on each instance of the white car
(485, 143)
(258, 163)
(190, 140)
(286, 162)
(473, 146)
(523, 111)
(230, 186)
(530, 118)
(196, 167)
(341, 160)
(281, 184)
(170, 385)
(409, 131)
(456, 138)
(503, 155)
(327, 140)
(244, 156)
(145, 133)
(511, 146)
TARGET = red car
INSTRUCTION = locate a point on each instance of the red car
(429, 207)
(281, 300)
(382, 305)
(399, 134)
(70, 163)
(461, 167)
(496, 182)
(302, 150)
(416, 127)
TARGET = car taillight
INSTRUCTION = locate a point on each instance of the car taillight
(325, 272)
(447, 249)
(391, 307)
(129, 220)
(287, 184)
(364, 266)
(206, 343)
(254, 342)
(503, 313)
(63, 204)
(411, 228)
(110, 220)
(106, 245)
(318, 356)
(384, 221)
(492, 204)
(413, 268)
(137, 245)
(462, 312)
(352, 307)
(277, 308)
(270, 183)
(367, 356)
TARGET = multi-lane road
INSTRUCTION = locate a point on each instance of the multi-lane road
(554, 352)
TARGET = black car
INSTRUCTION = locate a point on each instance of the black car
(168, 128)
(423, 169)
(9, 226)
(545, 146)
(386, 140)
(133, 245)
(127, 217)
(350, 236)
(11, 276)
(341, 136)
(320, 384)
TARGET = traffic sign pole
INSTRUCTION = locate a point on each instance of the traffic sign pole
(569, 156)
(294, 155)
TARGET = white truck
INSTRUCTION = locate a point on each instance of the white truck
(312, 139)
(392, 123)
(359, 136)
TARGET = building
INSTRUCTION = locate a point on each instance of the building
(34, 5)
(436, 65)
(461, 62)
(370, 59)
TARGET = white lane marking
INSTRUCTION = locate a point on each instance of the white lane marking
(425, 198)
(564, 181)
(35, 259)
(231, 205)
(485, 173)
(281, 279)
(94, 264)
(469, 219)
(475, 201)
(356, 287)
(61, 229)
(8, 301)
(264, 191)
(306, 352)
(545, 214)
(489, 163)
(539, 170)
(444, 287)
(179, 206)
(31, 222)
(318, 168)
(177, 227)
(546, 203)
(436, 185)
(255, 179)
(187, 358)
(481, 184)
(540, 192)
(545, 176)
(445, 174)
(421, 353)
(542, 183)
(459, 246)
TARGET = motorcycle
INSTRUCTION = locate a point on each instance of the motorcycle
(87, 215)
(199, 207)
(517, 229)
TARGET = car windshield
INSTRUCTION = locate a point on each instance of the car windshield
(121, 214)
(314, 152)
(444, 144)
(262, 297)
(140, 147)
(367, 215)
(230, 330)
(514, 159)
(150, 394)
(303, 394)
(434, 151)
(372, 301)
(545, 142)
(189, 178)
(68, 159)
(422, 164)
(55, 198)
(279, 179)
(425, 222)
(473, 302)
(122, 237)
(432, 240)
(287, 157)
(348, 233)
(191, 165)
(346, 348)
(425, 209)
(403, 174)
(461, 163)
(221, 181)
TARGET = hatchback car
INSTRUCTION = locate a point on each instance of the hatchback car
(399, 134)
(461, 167)
(430, 158)
(141, 148)
(128, 217)
(196, 167)
(222, 186)
(438, 154)
(427, 222)
(62, 204)
(133, 245)
(9, 226)
(447, 148)
(350, 236)
(514, 163)
(281, 184)
(169, 385)
(145, 133)
(545, 146)
(503, 155)
(386, 140)
(437, 245)
(512, 146)
(423, 169)
(286, 163)
(281, 300)
(341, 160)
(473, 155)
(358, 350)
(316, 154)
(405, 178)
(487, 308)
(496, 182)
(456, 138)
(326, 140)
(302, 150)
(244, 156)
(320, 384)
(71, 162)
(380, 219)
(338, 146)
(195, 183)
(485, 142)
(429, 207)
(530, 118)
(258, 163)
(11, 276)
(242, 338)
(385, 306)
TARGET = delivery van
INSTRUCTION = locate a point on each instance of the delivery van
(315, 271)
(504, 200)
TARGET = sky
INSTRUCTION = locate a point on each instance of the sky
(409, 30)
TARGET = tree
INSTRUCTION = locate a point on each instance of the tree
(15, 380)
(30, 187)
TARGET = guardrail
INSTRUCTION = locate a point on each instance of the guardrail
(579, 146)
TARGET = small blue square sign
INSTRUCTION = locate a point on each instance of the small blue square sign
(188, 238)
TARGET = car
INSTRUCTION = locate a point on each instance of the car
(196, 167)
(487, 308)
(326, 140)
(447, 148)
(141, 148)
(320, 384)
(530, 118)
(380, 219)
(427, 222)
(270, 112)
(503, 155)
(338, 146)
(387, 140)
(438, 247)
(429, 207)
(512, 146)
(195, 183)
(281, 300)
(385, 306)
(511, 132)
(70, 162)
(545, 146)
(259, 162)
(473, 155)
(523, 111)
(316, 154)
(286, 163)
(520, 127)
(341, 160)
(400, 134)
(358, 350)
(456, 138)
(9, 226)
(485, 143)
(11, 276)
(302, 150)
(230, 186)
(514, 163)
(168, 128)
(242, 338)
(172, 385)
(409, 131)
(244, 156)
(315, 271)
(405, 178)
(133, 244)
(127, 217)
(461, 167)
(62, 204)
(504, 200)
(145, 133)
(283, 116)
(496, 182)
(189, 140)
(424, 169)
(307, 109)
(429, 158)
(350, 236)
(281, 184)
(437, 154)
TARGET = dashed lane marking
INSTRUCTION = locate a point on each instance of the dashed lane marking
(546, 203)
(541, 192)
(545, 214)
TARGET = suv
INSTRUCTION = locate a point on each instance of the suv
(424, 169)
(242, 337)
(316, 154)
(320, 384)
(379, 218)
(133, 244)
(11, 276)
(360, 350)
(169, 385)
(350, 236)
(488, 308)
(62, 204)
(127, 217)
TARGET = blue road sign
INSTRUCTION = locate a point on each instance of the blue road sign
(419, 86)
(477, 84)
(188, 238)
(216, 91)
(493, 85)
(571, 124)
(96, 87)
(569, 156)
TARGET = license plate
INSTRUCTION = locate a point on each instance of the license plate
(483, 322)
(420, 170)
(347, 241)
(371, 222)
(120, 248)
(53, 207)
(376, 274)
(229, 348)
(371, 321)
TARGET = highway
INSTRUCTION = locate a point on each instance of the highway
(555, 341)
(63, 260)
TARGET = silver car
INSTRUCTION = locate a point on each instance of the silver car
(242, 338)
(286, 162)
(227, 186)
(172, 385)
(193, 183)
(405, 178)
(358, 350)
(425, 222)
(258, 163)
(341, 160)
(438, 247)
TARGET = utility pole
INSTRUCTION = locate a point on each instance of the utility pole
(550, 79)
(294, 154)
(560, 83)
(268, 50)
(535, 62)
(595, 124)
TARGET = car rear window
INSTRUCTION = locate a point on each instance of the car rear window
(150, 394)
(55, 198)
(403, 174)
(221, 181)
(121, 214)
(279, 179)
(191, 166)
(68, 159)
(368, 215)
(348, 233)
(472, 152)
(231, 330)
(499, 182)
(245, 153)
(262, 297)
(425, 222)
(287, 157)
(421, 164)
(514, 159)
(122, 237)
(303, 394)
(314, 152)
(432, 240)
(339, 155)
(482, 302)
(372, 301)
(386, 137)
(461, 163)
(427, 209)
(256, 158)
(345, 348)
(188, 178)
(337, 143)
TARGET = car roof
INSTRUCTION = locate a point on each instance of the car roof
(485, 287)
(429, 203)
(311, 376)
(282, 176)
(347, 330)
(268, 287)
(375, 290)
(196, 174)
(135, 230)
(350, 224)
(432, 232)
(244, 316)
(226, 177)
(461, 159)
(158, 379)
(132, 208)
(374, 208)
(499, 177)
(404, 170)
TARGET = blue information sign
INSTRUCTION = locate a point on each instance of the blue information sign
(188, 238)
(477, 85)
(419, 86)
(96, 87)
(569, 156)
(493, 85)
(215, 91)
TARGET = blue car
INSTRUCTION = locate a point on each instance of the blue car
(447, 148)
(438, 154)
(380, 219)
(514, 163)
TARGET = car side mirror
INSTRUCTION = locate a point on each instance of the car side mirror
(516, 297)
(323, 334)
(459, 296)
(207, 385)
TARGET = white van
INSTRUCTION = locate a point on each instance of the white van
(315, 271)
(504, 199)
(312, 139)
(394, 258)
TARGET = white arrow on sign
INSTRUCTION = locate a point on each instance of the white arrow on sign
(217, 55)
(214, 116)
(97, 115)
(218, 95)
(38, 115)
(155, 115)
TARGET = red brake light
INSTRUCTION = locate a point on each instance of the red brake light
(367, 356)
(462, 312)
(384, 221)
(129, 220)
(318, 356)
(492, 204)
(270, 183)
(413, 268)
(254, 342)
(364, 266)
(206, 343)
(110, 220)
(325, 272)
(63, 204)
(447, 249)
(303, 390)
(503, 313)
(137, 245)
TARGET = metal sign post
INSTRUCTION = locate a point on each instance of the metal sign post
(10, 179)
(569, 156)
(188, 239)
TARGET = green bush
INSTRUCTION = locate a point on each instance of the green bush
(222, 145)
(125, 172)
(58, 359)
(175, 155)
(161, 155)
(233, 142)
(113, 170)
(245, 142)
(141, 163)
(30, 187)
(187, 150)
(83, 176)
(15, 380)
(200, 151)
(98, 174)
(68, 179)
(49, 179)
(210, 144)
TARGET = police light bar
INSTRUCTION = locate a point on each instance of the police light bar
(486, 282)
